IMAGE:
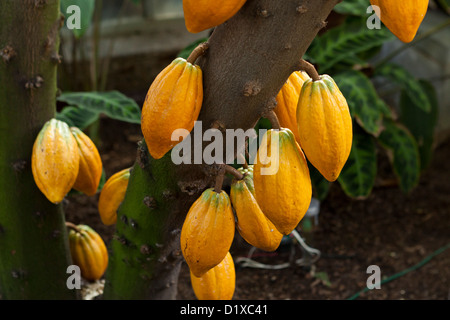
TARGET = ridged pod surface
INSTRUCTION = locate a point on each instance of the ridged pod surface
(218, 283)
(252, 224)
(403, 18)
(324, 126)
(173, 101)
(281, 179)
(88, 252)
(287, 101)
(90, 171)
(55, 160)
(207, 232)
(200, 15)
(111, 196)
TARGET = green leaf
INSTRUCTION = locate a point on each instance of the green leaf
(350, 38)
(112, 103)
(353, 7)
(366, 107)
(420, 123)
(320, 185)
(76, 117)
(86, 12)
(407, 82)
(403, 153)
(358, 175)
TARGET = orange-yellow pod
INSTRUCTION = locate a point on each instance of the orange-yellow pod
(208, 231)
(173, 102)
(252, 224)
(287, 101)
(88, 251)
(402, 18)
(281, 179)
(218, 283)
(91, 166)
(55, 160)
(200, 15)
(324, 126)
(112, 195)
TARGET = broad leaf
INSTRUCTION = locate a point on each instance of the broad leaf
(403, 153)
(76, 117)
(112, 103)
(366, 107)
(353, 7)
(420, 123)
(358, 175)
(350, 38)
(86, 11)
(406, 81)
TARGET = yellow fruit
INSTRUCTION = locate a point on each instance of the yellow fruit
(88, 252)
(200, 15)
(91, 166)
(403, 18)
(287, 101)
(207, 232)
(324, 126)
(218, 283)
(252, 224)
(173, 102)
(281, 179)
(55, 160)
(112, 195)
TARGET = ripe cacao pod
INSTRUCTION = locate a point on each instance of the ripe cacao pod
(218, 283)
(208, 231)
(200, 15)
(91, 166)
(281, 179)
(402, 18)
(55, 160)
(287, 101)
(112, 195)
(252, 224)
(173, 102)
(324, 126)
(88, 252)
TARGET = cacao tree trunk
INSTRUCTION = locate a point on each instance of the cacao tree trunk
(248, 60)
(34, 252)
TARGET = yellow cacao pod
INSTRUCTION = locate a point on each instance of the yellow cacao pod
(112, 195)
(252, 224)
(173, 102)
(55, 160)
(324, 126)
(207, 232)
(402, 18)
(218, 283)
(281, 179)
(88, 252)
(287, 101)
(200, 15)
(90, 171)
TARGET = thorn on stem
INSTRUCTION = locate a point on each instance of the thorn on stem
(302, 9)
(7, 53)
(252, 88)
(34, 83)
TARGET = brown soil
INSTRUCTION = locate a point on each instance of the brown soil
(392, 230)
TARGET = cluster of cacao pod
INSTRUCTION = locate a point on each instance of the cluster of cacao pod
(88, 251)
(402, 18)
(63, 158)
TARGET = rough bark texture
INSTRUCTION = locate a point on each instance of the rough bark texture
(34, 252)
(248, 60)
